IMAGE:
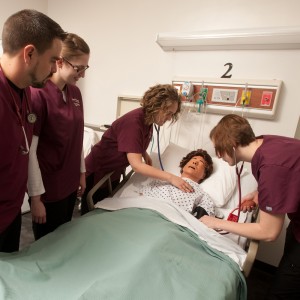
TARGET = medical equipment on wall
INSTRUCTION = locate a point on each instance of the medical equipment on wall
(187, 89)
(256, 98)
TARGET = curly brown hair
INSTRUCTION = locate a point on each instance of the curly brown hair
(207, 158)
(157, 98)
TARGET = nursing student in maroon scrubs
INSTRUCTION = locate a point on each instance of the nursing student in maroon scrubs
(275, 164)
(56, 162)
(126, 141)
(31, 44)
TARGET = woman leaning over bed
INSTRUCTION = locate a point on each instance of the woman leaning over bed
(275, 162)
(126, 141)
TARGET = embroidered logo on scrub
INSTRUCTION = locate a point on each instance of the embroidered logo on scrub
(268, 208)
(76, 102)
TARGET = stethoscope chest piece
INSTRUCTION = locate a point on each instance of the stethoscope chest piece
(31, 118)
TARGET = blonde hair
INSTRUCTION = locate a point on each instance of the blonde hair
(73, 45)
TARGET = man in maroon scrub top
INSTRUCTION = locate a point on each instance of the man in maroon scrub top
(29, 58)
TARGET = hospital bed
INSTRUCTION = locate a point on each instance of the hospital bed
(221, 186)
(132, 248)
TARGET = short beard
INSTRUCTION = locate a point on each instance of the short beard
(39, 84)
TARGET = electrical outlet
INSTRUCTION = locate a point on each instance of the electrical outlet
(224, 95)
(245, 99)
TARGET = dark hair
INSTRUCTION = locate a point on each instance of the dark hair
(231, 131)
(207, 158)
(160, 97)
(29, 27)
(73, 45)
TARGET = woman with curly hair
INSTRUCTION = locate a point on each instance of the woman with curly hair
(195, 167)
(126, 141)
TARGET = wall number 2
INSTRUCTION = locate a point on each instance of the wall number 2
(226, 75)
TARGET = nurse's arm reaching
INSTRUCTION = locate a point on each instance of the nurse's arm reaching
(35, 184)
(147, 159)
(267, 229)
(137, 164)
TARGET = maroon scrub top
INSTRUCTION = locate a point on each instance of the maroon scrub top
(13, 164)
(276, 167)
(59, 127)
(128, 134)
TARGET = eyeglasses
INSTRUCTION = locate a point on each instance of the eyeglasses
(78, 69)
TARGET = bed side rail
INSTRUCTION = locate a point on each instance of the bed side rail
(101, 182)
(251, 248)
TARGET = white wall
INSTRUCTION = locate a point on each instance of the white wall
(126, 60)
(12, 6)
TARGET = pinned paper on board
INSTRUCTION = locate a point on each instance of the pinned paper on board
(266, 98)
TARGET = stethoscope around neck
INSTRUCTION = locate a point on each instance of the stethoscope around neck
(157, 128)
(238, 172)
(31, 118)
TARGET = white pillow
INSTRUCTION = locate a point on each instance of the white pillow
(220, 185)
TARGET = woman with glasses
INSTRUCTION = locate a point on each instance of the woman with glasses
(126, 141)
(56, 162)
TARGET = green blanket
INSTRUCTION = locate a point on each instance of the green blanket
(126, 254)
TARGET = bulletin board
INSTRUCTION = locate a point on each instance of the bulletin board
(258, 98)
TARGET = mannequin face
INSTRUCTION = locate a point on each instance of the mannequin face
(194, 169)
